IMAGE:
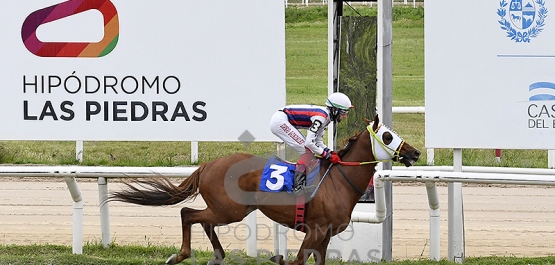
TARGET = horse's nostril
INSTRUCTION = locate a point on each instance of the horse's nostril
(416, 153)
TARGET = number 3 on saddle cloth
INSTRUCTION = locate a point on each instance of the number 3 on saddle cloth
(278, 174)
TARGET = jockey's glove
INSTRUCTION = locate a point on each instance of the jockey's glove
(331, 156)
(334, 158)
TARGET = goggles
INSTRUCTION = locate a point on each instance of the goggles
(342, 112)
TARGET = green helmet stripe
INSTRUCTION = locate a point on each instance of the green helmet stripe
(338, 105)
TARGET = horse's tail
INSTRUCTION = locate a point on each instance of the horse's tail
(159, 191)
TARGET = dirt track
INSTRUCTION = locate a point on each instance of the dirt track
(502, 221)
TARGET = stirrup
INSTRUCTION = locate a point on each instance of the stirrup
(297, 190)
(301, 189)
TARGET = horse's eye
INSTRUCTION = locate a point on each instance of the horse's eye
(387, 138)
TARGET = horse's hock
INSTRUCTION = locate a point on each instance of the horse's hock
(499, 220)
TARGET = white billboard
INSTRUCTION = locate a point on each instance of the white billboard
(490, 79)
(141, 70)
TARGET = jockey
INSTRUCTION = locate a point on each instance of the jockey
(286, 122)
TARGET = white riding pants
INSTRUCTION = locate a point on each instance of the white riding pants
(280, 126)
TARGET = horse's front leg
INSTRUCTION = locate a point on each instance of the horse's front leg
(311, 243)
(302, 255)
(321, 252)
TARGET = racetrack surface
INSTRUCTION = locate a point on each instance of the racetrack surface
(499, 220)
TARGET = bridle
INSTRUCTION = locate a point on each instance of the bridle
(393, 154)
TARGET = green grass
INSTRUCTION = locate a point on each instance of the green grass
(306, 47)
(95, 254)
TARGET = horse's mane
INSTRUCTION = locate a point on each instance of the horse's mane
(348, 144)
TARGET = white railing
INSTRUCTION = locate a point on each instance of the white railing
(519, 176)
(325, 2)
(427, 174)
(70, 173)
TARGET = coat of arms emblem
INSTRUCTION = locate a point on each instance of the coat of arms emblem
(522, 19)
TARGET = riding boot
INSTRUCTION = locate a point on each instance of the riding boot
(299, 182)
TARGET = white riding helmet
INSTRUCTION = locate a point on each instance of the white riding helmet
(339, 100)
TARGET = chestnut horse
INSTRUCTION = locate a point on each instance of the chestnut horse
(230, 186)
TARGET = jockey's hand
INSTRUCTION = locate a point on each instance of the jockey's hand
(334, 158)
(326, 154)
(331, 156)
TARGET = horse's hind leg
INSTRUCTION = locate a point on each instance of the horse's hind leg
(208, 220)
(219, 253)
(188, 217)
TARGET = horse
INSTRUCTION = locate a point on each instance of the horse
(230, 186)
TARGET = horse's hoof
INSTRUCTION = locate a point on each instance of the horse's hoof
(278, 259)
(171, 259)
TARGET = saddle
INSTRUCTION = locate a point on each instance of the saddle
(278, 174)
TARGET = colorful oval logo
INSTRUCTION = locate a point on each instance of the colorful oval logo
(71, 49)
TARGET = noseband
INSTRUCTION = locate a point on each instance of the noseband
(381, 151)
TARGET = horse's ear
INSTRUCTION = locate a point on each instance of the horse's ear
(376, 122)
(367, 121)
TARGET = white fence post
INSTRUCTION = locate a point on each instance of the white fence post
(252, 249)
(77, 247)
(79, 151)
(455, 222)
(104, 211)
(430, 156)
(435, 230)
(194, 152)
